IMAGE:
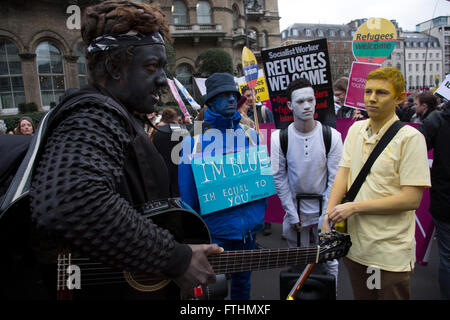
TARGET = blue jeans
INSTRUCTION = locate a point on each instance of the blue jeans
(240, 282)
(443, 241)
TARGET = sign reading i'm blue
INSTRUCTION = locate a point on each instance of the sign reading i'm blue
(233, 179)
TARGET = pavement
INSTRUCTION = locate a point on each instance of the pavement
(266, 285)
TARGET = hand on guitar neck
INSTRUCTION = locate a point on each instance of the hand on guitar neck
(199, 271)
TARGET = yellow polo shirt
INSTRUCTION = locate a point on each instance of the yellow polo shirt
(385, 241)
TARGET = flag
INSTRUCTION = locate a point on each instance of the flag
(187, 96)
(177, 97)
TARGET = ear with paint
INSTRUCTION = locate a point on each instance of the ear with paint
(113, 70)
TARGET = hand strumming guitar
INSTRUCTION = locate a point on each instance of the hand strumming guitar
(199, 271)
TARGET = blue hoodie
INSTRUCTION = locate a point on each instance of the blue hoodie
(232, 223)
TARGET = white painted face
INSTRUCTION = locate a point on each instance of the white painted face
(303, 103)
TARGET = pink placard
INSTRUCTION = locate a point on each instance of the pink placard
(356, 83)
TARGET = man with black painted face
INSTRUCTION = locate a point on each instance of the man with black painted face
(98, 166)
(233, 228)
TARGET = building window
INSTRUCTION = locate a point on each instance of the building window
(308, 33)
(179, 12)
(417, 81)
(417, 55)
(295, 32)
(431, 81)
(263, 40)
(410, 67)
(81, 66)
(184, 74)
(410, 79)
(320, 33)
(409, 55)
(431, 67)
(11, 83)
(399, 66)
(203, 12)
(437, 55)
(417, 67)
(342, 34)
(344, 44)
(50, 72)
(235, 17)
(437, 66)
(332, 33)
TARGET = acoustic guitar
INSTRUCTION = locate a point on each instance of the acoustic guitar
(188, 227)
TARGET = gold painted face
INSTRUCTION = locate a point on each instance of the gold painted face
(381, 99)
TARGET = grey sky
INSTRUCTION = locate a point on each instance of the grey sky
(408, 13)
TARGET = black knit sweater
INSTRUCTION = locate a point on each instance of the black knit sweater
(75, 194)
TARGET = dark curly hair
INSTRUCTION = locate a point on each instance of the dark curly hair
(117, 17)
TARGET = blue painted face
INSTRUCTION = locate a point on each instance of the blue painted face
(224, 104)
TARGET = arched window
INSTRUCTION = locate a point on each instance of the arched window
(179, 12)
(203, 12)
(235, 17)
(184, 74)
(11, 82)
(411, 84)
(81, 65)
(51, 74)
(263, 40)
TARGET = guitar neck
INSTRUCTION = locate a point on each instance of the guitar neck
(253, 260)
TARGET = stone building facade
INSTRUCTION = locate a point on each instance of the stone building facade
(41, 50)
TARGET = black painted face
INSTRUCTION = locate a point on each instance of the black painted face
(144, 78)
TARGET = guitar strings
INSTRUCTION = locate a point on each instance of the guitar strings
(121, 279)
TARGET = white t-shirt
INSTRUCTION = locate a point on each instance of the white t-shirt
(307, 170)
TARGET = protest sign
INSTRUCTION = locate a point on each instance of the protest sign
(261, 91)
(444, 89)
(354, 97)
(232, 179)
(187, 95)
(177, 97)
(250, 66)
(304, 60)
(374, 40)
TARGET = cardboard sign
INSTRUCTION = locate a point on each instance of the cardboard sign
(261, 91)
(374, 40)
(444, 89)
(304, 60)
(356, 84)
(233, 179)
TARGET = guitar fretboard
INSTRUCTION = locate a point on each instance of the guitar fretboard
(239, 261)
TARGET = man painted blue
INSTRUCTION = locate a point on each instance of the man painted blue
(233, 228)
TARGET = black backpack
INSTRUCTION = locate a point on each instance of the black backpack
(326, 132)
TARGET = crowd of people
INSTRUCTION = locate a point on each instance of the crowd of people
(108, 155)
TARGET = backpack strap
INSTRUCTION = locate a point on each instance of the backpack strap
(284, 140)
(326, 132)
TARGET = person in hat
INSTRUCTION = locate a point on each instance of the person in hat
(99, 171)
(233, 228)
